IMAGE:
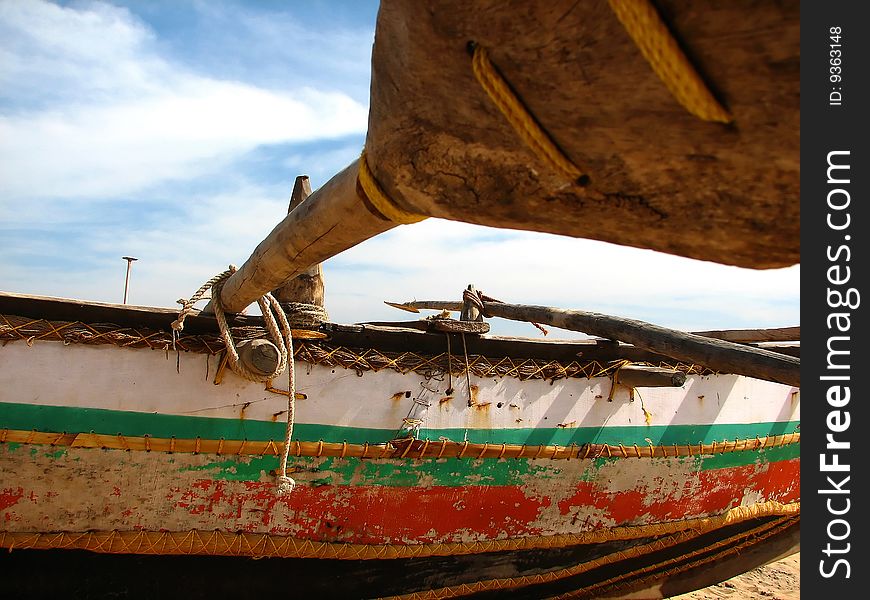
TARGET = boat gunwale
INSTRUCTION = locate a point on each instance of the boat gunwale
(399, 338)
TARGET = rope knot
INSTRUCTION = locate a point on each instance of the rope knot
(286, 484)
(478, 298)
(273, 313)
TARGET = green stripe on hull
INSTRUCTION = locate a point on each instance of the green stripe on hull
(450, 472)
(136, 424)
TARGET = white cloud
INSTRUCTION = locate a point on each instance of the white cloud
(129, 118)
(436, 259)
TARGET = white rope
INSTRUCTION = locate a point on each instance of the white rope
(273, 315)
(285, 482)
(302, 315)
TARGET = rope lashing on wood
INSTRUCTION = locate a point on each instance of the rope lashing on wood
(614, 377)
(477, 298)
(519, 116)
(301, 315)
(15, 328)
(382, 203)
(273, 313)
(652, 37)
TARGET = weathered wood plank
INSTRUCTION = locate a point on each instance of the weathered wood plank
(308, 286)
(720, 355)
(659, 177)
(744, 336)
(642, 376)
(754, 336)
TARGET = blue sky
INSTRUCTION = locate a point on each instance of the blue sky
(172, 131)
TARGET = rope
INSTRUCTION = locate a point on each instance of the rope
(658, 46)
(477, 298)
(520, 118)
(473, 297)
(273, 313)
(379, 199)
(375, 450)
(302, 315)
(467, 372)
(285, 482)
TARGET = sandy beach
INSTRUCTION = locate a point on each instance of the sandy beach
(777, 581)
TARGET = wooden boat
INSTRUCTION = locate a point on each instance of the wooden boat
(425, 459)
(427, 464)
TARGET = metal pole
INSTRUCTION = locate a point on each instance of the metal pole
(129, 260)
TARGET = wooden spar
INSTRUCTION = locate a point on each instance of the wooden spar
(307, 287)
(742, 336)
(643, 376)
(719, 355)
(656, 176)
(753, 336)
(259, 355)
(331, 220)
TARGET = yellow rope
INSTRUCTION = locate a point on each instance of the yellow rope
(379, 200)
(227, 543)
(651, 35)
(532, 134)
(398, 448)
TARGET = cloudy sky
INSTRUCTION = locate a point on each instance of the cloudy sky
(173, 130)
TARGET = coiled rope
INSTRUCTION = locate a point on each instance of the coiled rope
(302, 315)
(273, 314)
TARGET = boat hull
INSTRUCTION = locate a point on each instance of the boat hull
(416, 474)
(650, 568)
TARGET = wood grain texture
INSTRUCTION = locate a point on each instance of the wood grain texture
(659, 177)
(719, 355)
(308, 286)
(331, 220)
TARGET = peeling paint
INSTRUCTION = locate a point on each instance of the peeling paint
(10, 497)
(380, 501)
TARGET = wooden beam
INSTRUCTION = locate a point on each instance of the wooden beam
(308, 286)
(655, 176)
(259, 355)
(719, 355)
(643, 376)
(754, 336)
(331, 220)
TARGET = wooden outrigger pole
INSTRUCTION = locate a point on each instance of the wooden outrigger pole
(331, 220)
(719, 355)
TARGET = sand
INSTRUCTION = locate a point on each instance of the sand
(777, 581)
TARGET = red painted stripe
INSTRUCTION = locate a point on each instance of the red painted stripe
(380, 515)
(405, 515)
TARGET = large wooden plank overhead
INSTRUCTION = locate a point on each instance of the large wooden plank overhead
(659, 177)
(652, 174)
